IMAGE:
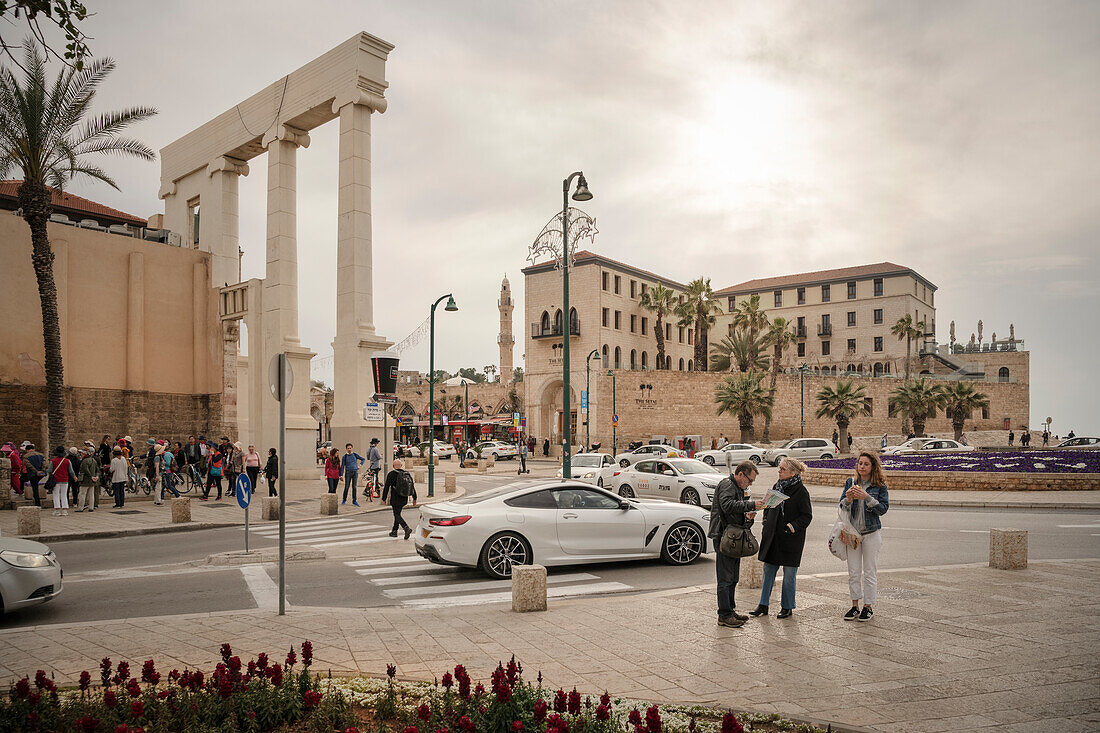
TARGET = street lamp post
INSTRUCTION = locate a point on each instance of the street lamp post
(614, 427)
(451, 306)
(588, 396)
(466, 421)
(581, 194)
(802, 369)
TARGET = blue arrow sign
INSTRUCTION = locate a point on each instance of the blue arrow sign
(244, 491)
(584, 399)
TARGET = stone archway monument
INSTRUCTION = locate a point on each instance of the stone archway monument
(199, 173)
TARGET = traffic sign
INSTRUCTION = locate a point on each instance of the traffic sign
(584, 399)
(244, 490)
(614, 421)
(273, 381)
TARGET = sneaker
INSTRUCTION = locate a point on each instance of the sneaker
(78, 510)
(408, 532)
(760, 610)
(345, 501)
(867, 614)
(853, 614)
(56, 513)
(731, 622)
(393, 533)
(64, 512)
(92, 509)
(738, 616)
(355, 503)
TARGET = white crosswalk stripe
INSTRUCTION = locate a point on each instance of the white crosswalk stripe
(327, 532)
(414, 582)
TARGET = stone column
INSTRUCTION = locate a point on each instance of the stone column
(356, 339)
(135, 324)
(200, 286)
(231, 339)
(219, 225)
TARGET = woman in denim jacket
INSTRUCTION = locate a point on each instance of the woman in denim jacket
(865, 499)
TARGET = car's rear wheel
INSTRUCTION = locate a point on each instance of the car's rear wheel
(826, 456)
(683, 544)
(495, 457)
(690, 496)
(755, 459)
(709, 460)
(778, 460)
(501, 552)
(626, 491)
(624, 463)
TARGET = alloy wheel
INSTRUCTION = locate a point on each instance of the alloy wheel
(683, 544)
(504, 552)
(626, 491)
(690, 496)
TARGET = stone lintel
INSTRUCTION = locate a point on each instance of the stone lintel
(288, 134)
(227, 164)
(374, 100)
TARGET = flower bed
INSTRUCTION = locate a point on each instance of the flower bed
(266, 696)
(1052, 461)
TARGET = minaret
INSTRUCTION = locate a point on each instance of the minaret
(505, 339)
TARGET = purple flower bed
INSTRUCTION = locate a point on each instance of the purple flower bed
(1049, 461)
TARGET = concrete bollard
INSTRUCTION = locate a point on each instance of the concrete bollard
(421, 476)
(481, 466)
(329, 505)
(752, 572)
(30, 520)
(181, 510)
(270, 510)
(528, 588)
(1008, 549)
(490, 461)
(449, 485)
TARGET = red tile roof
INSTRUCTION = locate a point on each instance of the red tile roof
(820, 276)
(67, 203)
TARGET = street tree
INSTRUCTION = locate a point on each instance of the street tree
(917, 400)
(748, 315)
(743, 395)
(698, 312)
(490, 372)
(63, 15)
(47, 133)
(779, 335)
(959, 400)
(471, 374)
(740, 350)
(842, 403)
(662, 302)
(907, 329)
(517, 374)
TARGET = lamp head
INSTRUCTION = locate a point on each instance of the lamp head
(451, 305)
(582, 193)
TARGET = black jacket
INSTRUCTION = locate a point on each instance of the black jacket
(271, 470)
(191, 453)
(778, 544)
(729, 508)
(391, 484)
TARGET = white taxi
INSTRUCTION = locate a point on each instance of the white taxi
(685, 480)
(593, 468)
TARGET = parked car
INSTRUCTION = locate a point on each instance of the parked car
(943, 445)
(593, 468)
(652, 450)
(496, 448)
(443, 450)
(29, 574)
(1079, 442)
(557, 523)
(913, 444)
(802, 449)
(685, 480)
(735, 452)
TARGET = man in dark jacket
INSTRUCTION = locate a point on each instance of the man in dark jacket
(731, 508)
(400, 488)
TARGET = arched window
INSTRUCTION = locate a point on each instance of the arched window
(689, 365)
(1002, 374)
(985, 412)
(925, 371)
(859, 369)
(633, 359)
(645, 361)
(544, 324)
(668, 363)
(681, 364)
(878, 369)
(618, 357)
(886, 368)
(605, 358)
(851, 368)
(557, 321)
(574, 322)
(408, 411)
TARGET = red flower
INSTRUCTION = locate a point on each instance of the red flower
(173, 675)
(137, 709)
(291, 658)
(730, 724)
(479, 690)
(307, 654)
(109, 698)
(391, 671)
(40, 679)
(85, 681)
(653, 719)
(351, 730)
(23, 688)
(261, 660)
(164, 694)
(448, 680)
(133, 689)
(86, 723)
(557, 724)
(424, 712)
(105, 671)
(234, 665)
(122, 673)
(465, 724)
(123, 729)
(504, 693)
(252, 668)
(560, 701)
(275, 674)
(635, 718)
(605, 699)
(227, 652)
(312, 698)
(540, 710)
(411, 729)
(574, 702)
(149, 673)
(603, 712)
(517, 726)
(513, 671)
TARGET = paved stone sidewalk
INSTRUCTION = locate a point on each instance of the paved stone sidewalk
(977, 499)
(960, 648)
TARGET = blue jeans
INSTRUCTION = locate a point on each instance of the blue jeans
(119, 491)
(350, 479)
(787, 594)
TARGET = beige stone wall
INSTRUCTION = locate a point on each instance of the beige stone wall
(964, 481)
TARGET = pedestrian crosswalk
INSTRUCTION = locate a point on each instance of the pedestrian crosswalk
(328, 532)
(414, 582)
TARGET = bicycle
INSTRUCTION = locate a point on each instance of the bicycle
(135, 482)
(193, 478)
(372, 488)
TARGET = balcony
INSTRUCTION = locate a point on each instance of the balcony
(540, 332)
(824, 329)
(800, 332)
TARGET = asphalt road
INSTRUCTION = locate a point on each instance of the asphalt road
(151, 575)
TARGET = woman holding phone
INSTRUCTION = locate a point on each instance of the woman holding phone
(865, 499)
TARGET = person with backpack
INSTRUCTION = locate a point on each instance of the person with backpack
(167, 461)
(33, 470)
(271, 472)
(215, 464)
(400, 487)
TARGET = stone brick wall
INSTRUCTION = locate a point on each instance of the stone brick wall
(94, 413)
(963, 480)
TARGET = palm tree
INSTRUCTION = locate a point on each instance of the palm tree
(842, 403)
(47, 134)
(739, 350)
(780, 336)
(748, 315)
(907, 329)
(698, 311)
(917, 400)
(959, 399)
(490, 372)
(744, 396)
(661, 301)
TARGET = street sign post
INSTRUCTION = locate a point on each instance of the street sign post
(281, 382)
(244, 498)
(584, 400)
(614, 421)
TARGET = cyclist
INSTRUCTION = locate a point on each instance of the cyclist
(167, 478)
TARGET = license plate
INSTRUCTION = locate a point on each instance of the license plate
(425, 532)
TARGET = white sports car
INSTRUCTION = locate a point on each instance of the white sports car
(648, 451)
(593, 468)
(557, 523)
(735, 452)
(676, 479)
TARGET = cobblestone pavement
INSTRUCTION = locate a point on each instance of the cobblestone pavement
(958, 648)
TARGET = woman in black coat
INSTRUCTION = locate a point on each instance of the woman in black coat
(783, 537)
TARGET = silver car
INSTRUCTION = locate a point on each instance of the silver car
(29, 574)
(732, 452)
(802, 449)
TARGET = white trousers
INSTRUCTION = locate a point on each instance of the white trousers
(863, 568)
(88, 496)
(61, 495)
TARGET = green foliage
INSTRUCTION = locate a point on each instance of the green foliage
(472, 374)
(917, 399)
(742, 350)
(62, 14)
(745, 396)
(517, 374)
(959, 400)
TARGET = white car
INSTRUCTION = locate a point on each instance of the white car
(1080, 442)
(443, 450)
(943, 445)
(29, 574)
(654, 450)
(735, 452)
(909, 446)
(557, 523)
(685, 480)
(802, 449)
(593, 468)
(496, 448)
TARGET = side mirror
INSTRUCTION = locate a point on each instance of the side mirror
(624, 505)
(669, 472)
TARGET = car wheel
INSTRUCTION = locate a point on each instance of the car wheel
(496, 457)
(501, 552)
(755, 460)
(690, 496)
(626, 491)
(624, 463)
(709, 460)
(683, 544)
(778, 460)
(826, 456)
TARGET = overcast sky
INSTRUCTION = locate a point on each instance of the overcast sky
(732, 140)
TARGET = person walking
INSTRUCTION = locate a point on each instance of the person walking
(251, 463)
(73, 457)
(722, 441)
(400, 488)
(167, 469)
(531, 443)
(271, 472)
(1046, 437)
(215, 467)
(235, 467)
(34, 468)
(522, 458)
(192, 454)
(89, 478)
(849, 442)
(731, 508)
(884, 442)
(836, 437)
(62, 471)
(783, 537)
(1011, 437)
(12, 454)
(460, 448)
(546, 447)
(119, 469)
(865, 499)
(333, 467)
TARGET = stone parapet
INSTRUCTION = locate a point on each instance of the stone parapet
(964, 480)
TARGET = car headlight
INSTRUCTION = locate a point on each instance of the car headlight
(590, 474)
(25, 559)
